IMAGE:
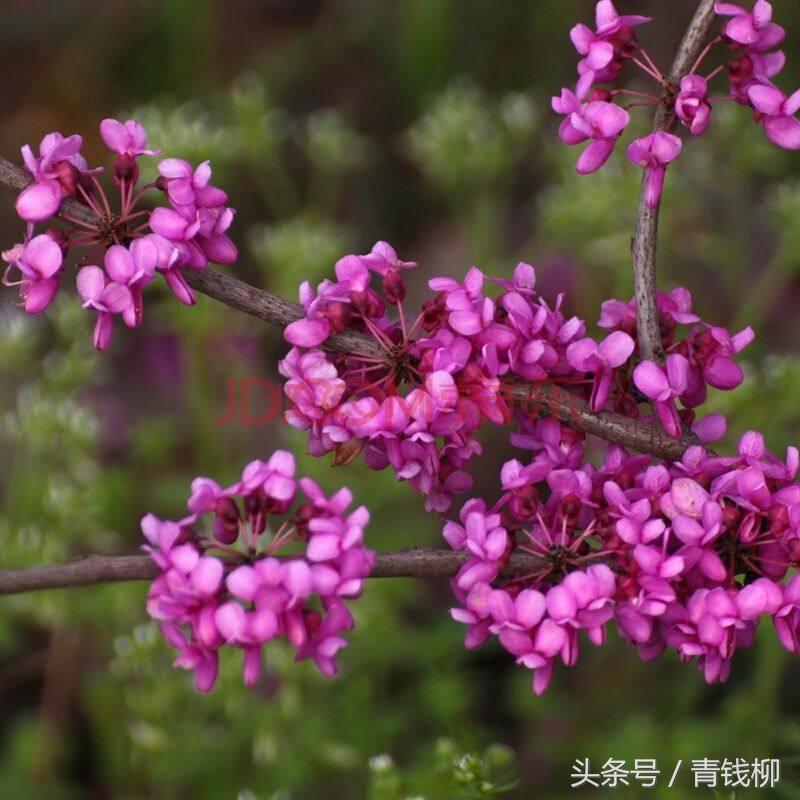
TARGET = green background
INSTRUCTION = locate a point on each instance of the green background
(334, 123)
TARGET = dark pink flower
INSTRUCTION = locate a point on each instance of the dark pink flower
(654, 152)
(601, 359)
(606, 48)
(777, 112)
(662, 386)
(39, 262)
(600, 121)
(692, 105)
(753, 31)
(55, 175)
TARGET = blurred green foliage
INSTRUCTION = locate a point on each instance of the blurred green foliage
(333, 124)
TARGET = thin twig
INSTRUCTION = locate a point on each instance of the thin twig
(540, 398)
(89, 570)
(645, 238)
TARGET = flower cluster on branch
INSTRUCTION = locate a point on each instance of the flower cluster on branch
(684, 553)
(417, 399)
(221, 583)
(592, 112)
(131, 242)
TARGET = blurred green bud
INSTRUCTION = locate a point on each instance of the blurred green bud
(332, 144)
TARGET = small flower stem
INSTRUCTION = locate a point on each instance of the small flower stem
(645, 238)
(713, 74)
(637, 94)
(706, 50)
(82, 223)
(655, 76)
(650, 63)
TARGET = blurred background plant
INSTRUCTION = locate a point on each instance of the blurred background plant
(334, 123)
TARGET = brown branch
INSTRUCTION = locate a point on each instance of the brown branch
(551, 400)
(89, 570)
(645, 238)
(541, 398)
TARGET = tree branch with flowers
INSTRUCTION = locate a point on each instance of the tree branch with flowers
(619, 514)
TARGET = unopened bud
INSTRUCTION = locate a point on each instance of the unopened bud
(68, 176)
(226, 521)
(338, 315)
(59, 236)
(126, 169)
(604, 95)
(394, 287)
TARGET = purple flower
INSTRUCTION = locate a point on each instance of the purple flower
(39, 262)
(601, 359)
(777, 112)
(199, 220)
(662, 386)
(252, 597)
(634, 524)
(710, 629)
(133, 267)
(105, 296)
(126, 138)
(753, 31)
(654, 152)
(751, 70)
(600, 121)
(55, 175)
(326, 642)
(483, 537)
(514, 618)
(470, 311)
(605, 48)
(692, 105)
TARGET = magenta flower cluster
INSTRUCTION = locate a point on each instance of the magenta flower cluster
(416, 403)
(592, 115)
(223, 583)
(686, 556)
(124, 246)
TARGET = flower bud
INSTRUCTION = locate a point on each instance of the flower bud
(126, 169)
(394, 287)
(68, 176)
(338, 314)
(59, 236)
(368, 303)
(226, 521)
(604, 95)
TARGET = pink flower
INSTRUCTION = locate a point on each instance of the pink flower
(55, 174)
(600, 121)
(606, 48)
(654, 152)
(777, 112)
(199, 220)
(710, 630)
(662, 386)
(323, 645)
(133, 267)
(39, 263)
(601, 359)
(692, 106)
(107, 298)
(751, 70)
(252, 597)
(634, 524)
(470, 311)
(126, 138)
(515, 618)
(753, 31)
